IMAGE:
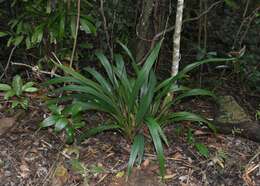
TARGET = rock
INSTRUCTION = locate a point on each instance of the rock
(231, 112)
(6, 124)
(232, 118)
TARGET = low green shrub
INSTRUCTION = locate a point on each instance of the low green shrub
(15, 93)
(135, 103)
(68, 119)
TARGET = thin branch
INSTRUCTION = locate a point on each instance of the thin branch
(35, 69)
(106, 28)
(76, 36)
(158, 35)
(8, 63)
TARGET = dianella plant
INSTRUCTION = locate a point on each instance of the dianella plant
(136, 103)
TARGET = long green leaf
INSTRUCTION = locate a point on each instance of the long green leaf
(96, 130)
(144, 73)
(101, 80)
(137, 149)
(79, 77)
(109, 70)
(51, 120)
(146, 100)
(99, 96)
(153, 128)
(195, 92)
(134, 65)
(190, 67)
(188, 116)
(64, 79)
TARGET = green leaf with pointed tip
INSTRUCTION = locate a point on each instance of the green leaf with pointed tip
(5, 87)
(78, 167)
(188, 116)
(74, 109)
(153, 128)
(15, 103)
(101, 80)
(55, 109)
(134, 64)
(143, 74)
(17, 40)
(37, 34)
(195, 92)
(106, 64)
(78, 125)
(60, 124)
(65, 79)
(87, 26)
(191, 66)
(10, 93)
(49, 121)
(100, 97)
(17, 85)
(70, 132)
(31, 89)
(28, 85)
(137, 149)
(202, 149)
(146, 100)
(2, 34)
(25, 103)
(96, 130)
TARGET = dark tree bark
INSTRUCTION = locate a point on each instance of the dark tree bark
(153, 16)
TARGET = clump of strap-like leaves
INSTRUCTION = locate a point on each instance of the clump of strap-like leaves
(134, 102)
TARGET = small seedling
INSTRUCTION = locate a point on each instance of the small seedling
(200, 147)
(15, 93)
(68, 119)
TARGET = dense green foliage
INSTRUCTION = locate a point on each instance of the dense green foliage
(134, 103)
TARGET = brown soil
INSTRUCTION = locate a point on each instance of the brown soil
(30, 157)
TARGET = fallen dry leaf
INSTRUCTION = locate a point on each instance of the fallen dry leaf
(60, 176)
(145, 163)
(25, 171)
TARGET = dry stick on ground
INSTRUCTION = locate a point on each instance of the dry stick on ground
(8, 63)
(106, 29)
(76, 36)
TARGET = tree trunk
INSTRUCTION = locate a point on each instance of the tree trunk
(177, 38)
(144, 29)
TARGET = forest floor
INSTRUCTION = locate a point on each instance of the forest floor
(33, 157)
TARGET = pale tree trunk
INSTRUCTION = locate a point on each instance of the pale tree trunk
(177, 38)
